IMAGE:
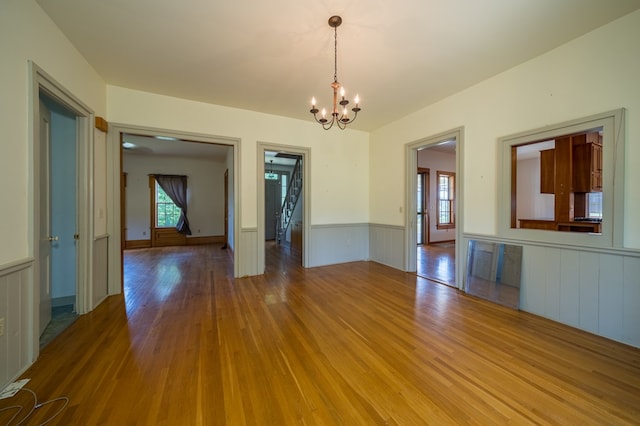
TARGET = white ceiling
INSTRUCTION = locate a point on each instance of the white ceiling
(147, 145)
(272, 56)
(171, 147)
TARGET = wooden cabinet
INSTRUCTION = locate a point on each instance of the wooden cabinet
(547, 171)
(549, 225)
(584, 165)
(587, 167)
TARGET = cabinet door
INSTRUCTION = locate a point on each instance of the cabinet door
(547, 171)
(587, 168)
(596, 168)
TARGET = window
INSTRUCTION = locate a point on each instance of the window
(594, 205)
(167, 213)
(446, 200)
(564, 184)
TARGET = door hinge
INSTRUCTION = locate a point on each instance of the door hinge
(76, 236)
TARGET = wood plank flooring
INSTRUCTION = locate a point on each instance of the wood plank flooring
(437, 262)
(351, 344)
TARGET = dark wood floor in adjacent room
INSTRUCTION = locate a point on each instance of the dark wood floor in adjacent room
(350, 344)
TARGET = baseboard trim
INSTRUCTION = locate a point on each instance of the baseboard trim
(190, 241)
(135, 244)
(196, 241)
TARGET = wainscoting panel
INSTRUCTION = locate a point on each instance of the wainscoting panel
(248, 259)
(569, 287)
(16, 309)
(338, 243)
(611, 295)
(631, 299)
(596, 290)
(100, 270)
(386, 245)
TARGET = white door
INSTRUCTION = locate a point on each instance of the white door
(45, 237)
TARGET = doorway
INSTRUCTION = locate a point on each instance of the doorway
(58, 218)
(148, 215)
(61, 196)
(294, 236)
(284, 203)
(434, 208)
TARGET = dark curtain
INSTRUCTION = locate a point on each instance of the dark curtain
(176, 189)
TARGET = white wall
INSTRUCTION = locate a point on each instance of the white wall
(437, 161)
(595, 290)
(592, 74)
(337, 157)
(27, 33)
(531, 204)
(205, 193)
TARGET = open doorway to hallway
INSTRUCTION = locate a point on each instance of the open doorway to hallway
(175, 191)
(283, 204)
(435, 220)
(434, 208)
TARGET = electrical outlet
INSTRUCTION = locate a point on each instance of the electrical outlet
(1, 326)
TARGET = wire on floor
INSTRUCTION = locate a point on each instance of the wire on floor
(36, 406)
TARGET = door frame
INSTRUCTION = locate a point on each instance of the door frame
(114, 171)
(226, 208)
(426, 213)
(40, 81)
(411, 166)
(305, 153)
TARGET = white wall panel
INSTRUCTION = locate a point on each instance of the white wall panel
(631, 301)
(386, 245)
(594, 290)
(532, 296)
(338, 243)
(611, 295)
(552, 280)
(16, 303)
(569, 288)
(100, 281)
(249, 249)
(589, 292)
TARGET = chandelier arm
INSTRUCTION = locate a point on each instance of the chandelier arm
(328, 124)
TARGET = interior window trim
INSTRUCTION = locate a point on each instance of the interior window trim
(613, 127)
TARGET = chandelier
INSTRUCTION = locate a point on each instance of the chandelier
(339, 112)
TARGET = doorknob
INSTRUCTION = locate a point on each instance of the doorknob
(54, 238)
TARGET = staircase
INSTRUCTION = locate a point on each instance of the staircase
(290, 201)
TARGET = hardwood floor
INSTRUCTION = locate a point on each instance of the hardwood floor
(437, 262)
(350, 344)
